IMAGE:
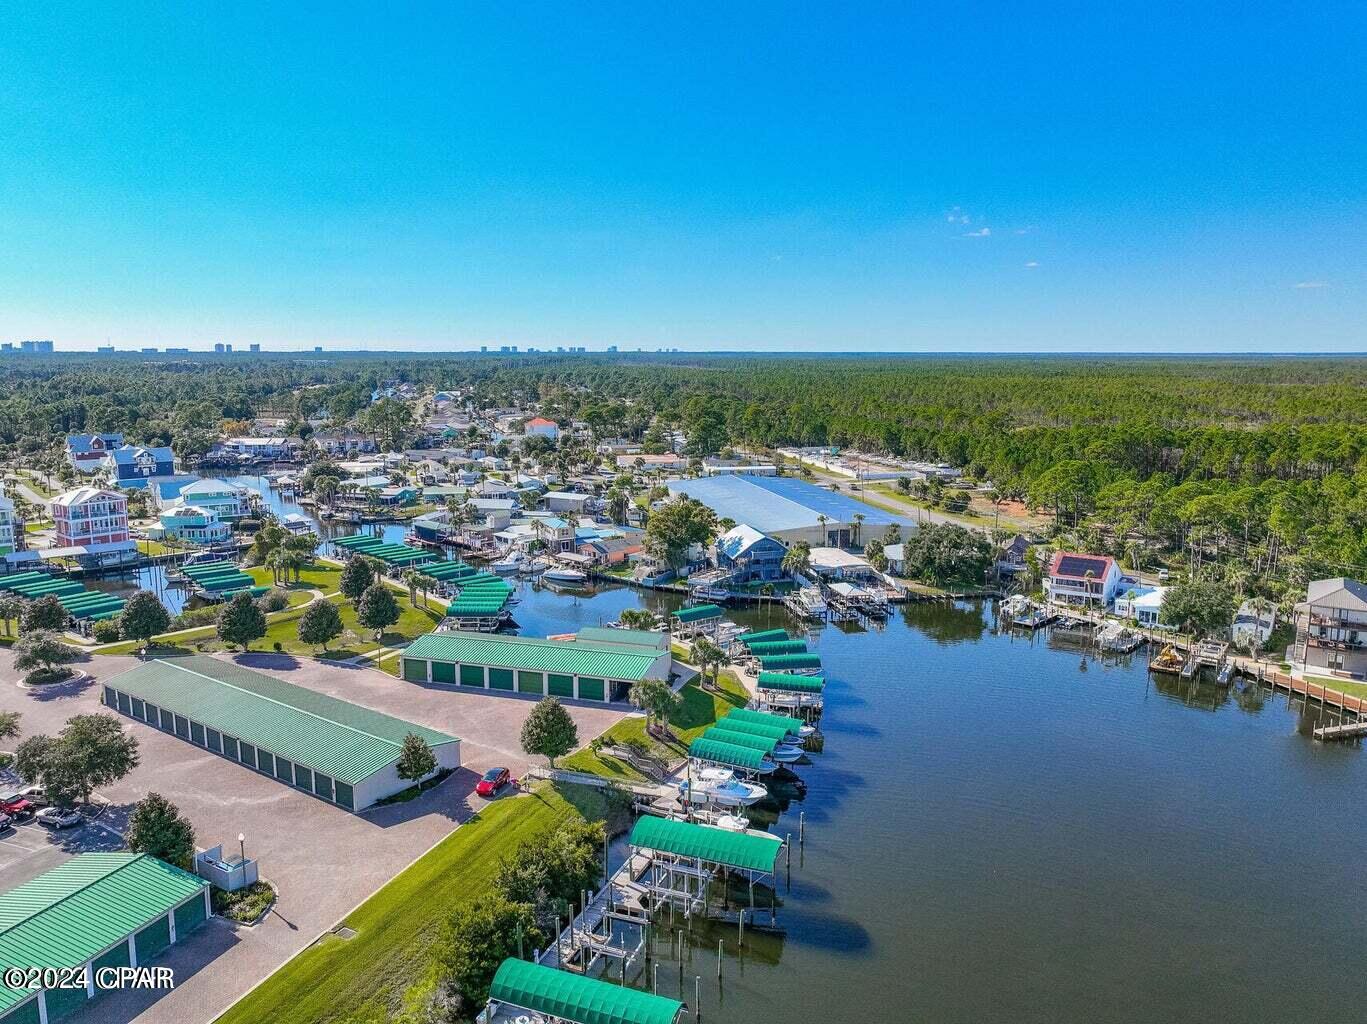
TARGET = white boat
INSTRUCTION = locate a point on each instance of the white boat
(507, 564)
(786, 753)
(733, 822)
(721, 787)
(560, 574)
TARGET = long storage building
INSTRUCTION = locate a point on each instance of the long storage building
(580, 668)
(95, 911)
(335, 750)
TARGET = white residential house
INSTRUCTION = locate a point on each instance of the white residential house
(1076, 579)
(1143, 604)
(567, 501)
(191, 524)
(8, 522)
(1331, 629)
(226, 502)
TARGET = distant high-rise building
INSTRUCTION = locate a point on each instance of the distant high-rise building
(105, 350)
(317, 348)
(612, 348)
(227, 348)
(484, 348)
(219, 348)
(36, 347)
(256, 348)
(150, 351)
(176, 351)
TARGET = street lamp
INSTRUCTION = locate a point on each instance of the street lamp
(242, 847)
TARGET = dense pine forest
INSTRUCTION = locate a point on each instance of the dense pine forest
(1258, 465)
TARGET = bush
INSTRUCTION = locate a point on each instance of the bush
(274, 600)
(246, 905)
(106, 632)
(192, 617)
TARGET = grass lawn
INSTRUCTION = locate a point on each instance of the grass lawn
(700, 711)
(1347, 686)
(364, 979)
(38, 526)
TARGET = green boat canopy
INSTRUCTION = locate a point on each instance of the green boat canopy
(728, 754)
(771, 647)
(789, 683)
(781, 662)
(764, 636)
(793, 725)
(764, 744)
(698, 613)
(745, 850)
(575, 998)
(771, 729)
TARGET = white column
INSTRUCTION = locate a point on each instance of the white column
(171, 920)
(132, 952)
(42, 1007)
(429, 669)
(576, 686)
(208, 904)
(90, 980)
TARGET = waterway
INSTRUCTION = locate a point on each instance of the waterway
(996, 833)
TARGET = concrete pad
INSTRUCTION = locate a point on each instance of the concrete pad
(323, 860)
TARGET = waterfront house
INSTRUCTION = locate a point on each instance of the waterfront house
(1078, 579)
(226, 502)
(11, 530)
(1142, 603)
(259, 449)
(896, 555)
(749, 556)
(190, 524)
(610, 549)
(1253, 624)
(134, 465)
(648, 463)
(1331, 629)
(1012, 554)
(492, 488)
(89, 516)
(343, 442)
(89, 453)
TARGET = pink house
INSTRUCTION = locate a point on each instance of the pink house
(90, 515)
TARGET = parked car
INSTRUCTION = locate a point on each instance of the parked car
(59, 817)
(1163, 575)
(494, 780)
(6, 823)
(18, 808)
(35, 795)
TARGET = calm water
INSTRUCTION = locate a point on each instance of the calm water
(995, 834)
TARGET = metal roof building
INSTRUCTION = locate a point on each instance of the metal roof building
(95, 911)
(790, 509)
(580, 668)
(335, 750)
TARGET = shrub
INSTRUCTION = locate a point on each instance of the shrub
(273, 600)
(106, 632)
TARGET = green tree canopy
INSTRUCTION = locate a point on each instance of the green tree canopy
(143, 617)
(241, 621)
(320, 624)
(157, 827)
(549, 730)
(416, 760)
(377, 609)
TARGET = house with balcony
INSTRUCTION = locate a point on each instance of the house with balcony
(11, 530)
(343, 442)
(1084, 580)
(190, 524)
(748, 556)
(89, 453)
(227, 502)
(1143, 604)
(1331, 630)
(135, 465)
(89, 517)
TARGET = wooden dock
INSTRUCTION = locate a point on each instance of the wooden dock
(1343, 731)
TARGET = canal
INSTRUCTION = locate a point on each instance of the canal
(997, 833)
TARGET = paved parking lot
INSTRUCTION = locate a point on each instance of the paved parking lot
(323, 860)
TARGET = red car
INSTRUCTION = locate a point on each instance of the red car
(16, 807)
(494, 780)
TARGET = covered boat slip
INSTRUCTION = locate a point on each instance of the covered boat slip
(729, 755)
(80, 603)
(764, 744)
(681, 859)
(520, 987)
(696, 619)
(337, 751)
(770, 648)
(98, 910)
(808, 663)
(769, 730)
(764, 636)
(390, 554)
(793, 725)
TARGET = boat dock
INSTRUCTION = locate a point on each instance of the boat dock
(1343, 731)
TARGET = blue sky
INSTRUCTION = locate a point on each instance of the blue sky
(740, 176)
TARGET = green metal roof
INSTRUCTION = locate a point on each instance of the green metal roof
(80, 908)
(769, 648)
(570, 657)
(793, 725)
(764, 636)
(728, 754)
(644, 638)
(789, 661)
(771, 729)
(789, 683)
(698, 612)
(575, 998)
(764, 744)
(321, 733)
(746, 850)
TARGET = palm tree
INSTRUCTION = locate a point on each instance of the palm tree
(275, 563)
(822, 519)
(636, 618)
(410, 578)
(858, 520)
(708, 656)
(797, 561)
(426, 583)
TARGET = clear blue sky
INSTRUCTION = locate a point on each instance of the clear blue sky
(958, 177)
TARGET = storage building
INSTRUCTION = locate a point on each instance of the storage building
(95, 911)
(581, 669)
(337, 751)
